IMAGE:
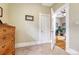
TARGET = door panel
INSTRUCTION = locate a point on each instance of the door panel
(44, 27)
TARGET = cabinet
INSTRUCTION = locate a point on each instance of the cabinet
(7, 39)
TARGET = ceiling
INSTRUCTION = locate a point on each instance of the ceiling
(47, 4)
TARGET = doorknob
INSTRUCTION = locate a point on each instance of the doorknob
(41, 30)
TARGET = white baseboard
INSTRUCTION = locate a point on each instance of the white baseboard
(72, 51)
(24, 44)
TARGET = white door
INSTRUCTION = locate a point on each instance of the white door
(44, 27)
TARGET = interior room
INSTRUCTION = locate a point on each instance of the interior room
(61, 32)
(35, 29)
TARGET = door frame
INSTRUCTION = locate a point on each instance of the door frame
(67, 25)
(52, 26)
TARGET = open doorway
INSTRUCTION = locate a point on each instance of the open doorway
(61, 27)
(60, 32)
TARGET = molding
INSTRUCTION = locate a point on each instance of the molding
(53, 28)
(72, 51)
(24, 44)
(67, 24)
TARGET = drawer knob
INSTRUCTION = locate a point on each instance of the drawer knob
(4, 38)
(3, 46)
(4, 30)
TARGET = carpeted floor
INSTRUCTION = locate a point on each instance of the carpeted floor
(43, 49)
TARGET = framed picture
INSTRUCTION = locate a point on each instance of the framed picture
(1, 12)
(29, 17)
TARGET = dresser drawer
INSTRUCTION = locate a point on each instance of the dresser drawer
(6, 38)
(6, 30)
(6, 47)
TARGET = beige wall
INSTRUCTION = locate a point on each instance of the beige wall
(26, 31)
(5, 13)
(74, 28)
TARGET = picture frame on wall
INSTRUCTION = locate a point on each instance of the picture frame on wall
(29, 17)
(1, 11)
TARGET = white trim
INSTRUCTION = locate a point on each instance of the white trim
(72, 51)
(52, 29)
(24, 44)
(67, 27)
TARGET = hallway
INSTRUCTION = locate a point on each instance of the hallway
(43, 49)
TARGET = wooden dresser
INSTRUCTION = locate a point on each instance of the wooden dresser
(7, 39)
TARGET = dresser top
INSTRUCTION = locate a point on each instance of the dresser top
(6, 25)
